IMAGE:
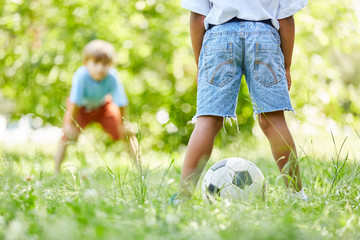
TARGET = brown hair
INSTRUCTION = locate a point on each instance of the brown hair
(99, 51)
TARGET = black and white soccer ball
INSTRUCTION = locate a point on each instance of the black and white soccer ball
(233, 178)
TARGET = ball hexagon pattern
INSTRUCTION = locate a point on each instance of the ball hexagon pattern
(242, 179)
(233, 178)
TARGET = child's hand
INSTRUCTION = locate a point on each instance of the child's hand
(288, 77)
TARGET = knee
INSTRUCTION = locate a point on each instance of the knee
(71, 139)
(121, 133)
(71, 133)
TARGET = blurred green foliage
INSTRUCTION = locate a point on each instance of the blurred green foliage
(41, 43)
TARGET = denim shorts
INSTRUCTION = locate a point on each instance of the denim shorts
(234, 49)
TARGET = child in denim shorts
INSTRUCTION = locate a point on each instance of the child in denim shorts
(231, 38)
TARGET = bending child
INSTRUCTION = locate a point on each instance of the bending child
(232, 38)
(96, 96)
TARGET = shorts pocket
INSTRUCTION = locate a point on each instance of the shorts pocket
(267, 64)
(219, 63)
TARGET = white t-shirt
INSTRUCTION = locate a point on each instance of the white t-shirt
(221, 11)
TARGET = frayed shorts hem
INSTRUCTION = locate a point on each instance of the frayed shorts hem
(194, 119)
(257, 113)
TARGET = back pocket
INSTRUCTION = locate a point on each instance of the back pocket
(267, 64)
(219, 63)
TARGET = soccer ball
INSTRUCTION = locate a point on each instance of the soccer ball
(233, 178)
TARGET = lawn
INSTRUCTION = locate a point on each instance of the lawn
(102, 195)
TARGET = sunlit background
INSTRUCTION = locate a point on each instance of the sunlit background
(41, 43)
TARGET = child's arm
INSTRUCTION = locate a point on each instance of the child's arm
(73, 112)
(197, 31)
(287, 35)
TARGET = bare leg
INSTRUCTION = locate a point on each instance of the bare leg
(128, 137)
(134, 148)
(282, 145)
(71, 133)
(199, 150)
(59, 156)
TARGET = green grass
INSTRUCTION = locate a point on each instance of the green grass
(101, 195)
